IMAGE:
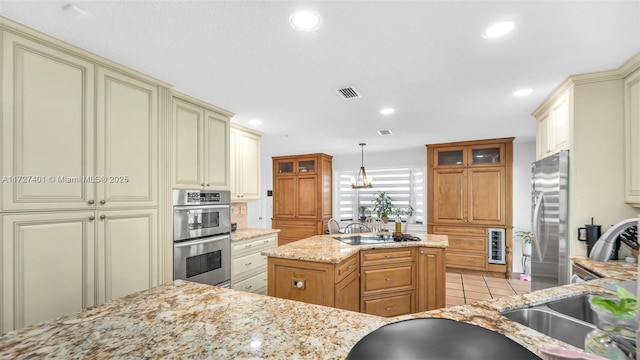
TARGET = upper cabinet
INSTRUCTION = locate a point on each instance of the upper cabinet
(245, 164)
(552, 126)
(201, 145)
(76, 135)
(632, 138)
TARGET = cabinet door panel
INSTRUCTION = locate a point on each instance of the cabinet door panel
(316, 282)
(559, 135)
(632, 138)
(48, 126)
(307, 197)
(449, 196)
(217, 153)
(127, 253)
(250, 166)
(390, 305)
(284, 197)
(431, 279)
(48, 266)
(127, 140)
(348, 293)
(188, 145)
(486, 196)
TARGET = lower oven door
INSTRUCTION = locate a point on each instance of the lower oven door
(205, 260)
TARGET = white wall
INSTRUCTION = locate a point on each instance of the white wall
(523, 155)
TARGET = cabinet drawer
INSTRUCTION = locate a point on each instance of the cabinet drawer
(470, 243)
(256, 283)
(297, 223)
(452, 230)
(394, 305)
(247, 264)
(253, 245)
(346, 267)
(381, 257)
(383, 279)
(467, 261)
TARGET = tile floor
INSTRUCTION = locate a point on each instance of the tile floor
(465, 289)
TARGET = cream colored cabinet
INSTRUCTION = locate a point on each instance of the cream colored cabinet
(201, 145)
(48, 266)
(127, 141)
(632, 138)
(248, 266)
(48, 127)
(552, 127)
(127, 252)
(245, 164)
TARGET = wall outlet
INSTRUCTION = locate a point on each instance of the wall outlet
(243, 210)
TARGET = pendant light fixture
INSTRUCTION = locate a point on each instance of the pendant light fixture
(361, 181)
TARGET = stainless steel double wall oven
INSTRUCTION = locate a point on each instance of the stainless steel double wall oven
(202, 236)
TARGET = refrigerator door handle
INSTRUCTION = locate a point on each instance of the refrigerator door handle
(536, 224)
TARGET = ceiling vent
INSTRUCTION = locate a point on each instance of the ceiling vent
(349, 93)
(385, 132)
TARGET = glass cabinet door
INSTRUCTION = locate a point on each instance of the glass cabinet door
(449, 157)
(285, 167)
(486, 155)
(306, 165)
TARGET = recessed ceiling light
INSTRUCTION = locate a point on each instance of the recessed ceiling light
(387, 111)
(306, 20)
(498, 30)
(255, 122)
(523, 92)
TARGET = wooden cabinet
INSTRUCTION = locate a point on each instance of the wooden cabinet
(315, 283)
(552, 126)
(245, 164)
(469, 190)
(248, 266)
(302, 195)
(201, 145)
(632, 138)
(388, 281)
(431, 291)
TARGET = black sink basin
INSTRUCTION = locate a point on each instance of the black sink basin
(432, 338)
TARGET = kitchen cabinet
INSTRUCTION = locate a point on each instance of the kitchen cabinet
(431, 290)
(201, 145)
(74, 260)
(245, 164)
(632, 138)
(315, 283)
(469, 190)
(302, 195)
(248, 266)
(388, 281)
(552, 126)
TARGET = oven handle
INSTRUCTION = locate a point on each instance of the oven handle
(201, 241)
(198, 207)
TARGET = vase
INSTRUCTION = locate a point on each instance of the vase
(613, 337)
(526, 249)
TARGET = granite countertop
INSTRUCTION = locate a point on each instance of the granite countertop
(324, 248)
(244, 234)
(618, 269)
(184, 319)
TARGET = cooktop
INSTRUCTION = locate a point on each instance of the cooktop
(368, 239)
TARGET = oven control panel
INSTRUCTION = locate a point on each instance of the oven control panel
(201, 197)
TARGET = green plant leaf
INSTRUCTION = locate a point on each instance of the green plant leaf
(622, 293)
(606, 304)
(625, 307)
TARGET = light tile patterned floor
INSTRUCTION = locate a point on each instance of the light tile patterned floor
(465, 289)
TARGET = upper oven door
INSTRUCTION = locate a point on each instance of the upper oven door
(197, 221)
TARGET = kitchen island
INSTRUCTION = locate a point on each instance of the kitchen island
(184, 319)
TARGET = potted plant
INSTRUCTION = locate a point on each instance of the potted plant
(363, 215)
(382, 205)
(527, 238)
(615, 336)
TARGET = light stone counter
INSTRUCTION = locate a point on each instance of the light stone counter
(324, 248)
(619, 269)
(244, 234)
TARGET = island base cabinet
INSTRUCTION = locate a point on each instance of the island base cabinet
(431, 293)
(390, 305)
(348, 293)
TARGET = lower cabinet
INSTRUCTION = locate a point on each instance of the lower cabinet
(58, 263)
(431, 292)
(248, 266)
(327, 284)
(294, 230)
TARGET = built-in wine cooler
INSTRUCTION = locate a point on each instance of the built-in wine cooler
(496, 246)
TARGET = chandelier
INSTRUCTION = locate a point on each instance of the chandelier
(361, 181)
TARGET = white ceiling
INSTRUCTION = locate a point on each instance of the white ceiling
(426, 59)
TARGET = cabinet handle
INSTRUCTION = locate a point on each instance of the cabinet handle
(388, 308)
(421, 251)
(248, 264)
(388, 279)
(102, 202)
(208, 184)
(102, 217)
(247, 287)
(248, 245)
(91, 202)
(350, 266)
(91, 218)
(388, 256)
(265, 241)
(202, 184)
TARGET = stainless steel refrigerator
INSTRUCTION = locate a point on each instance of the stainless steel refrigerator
(549, 217)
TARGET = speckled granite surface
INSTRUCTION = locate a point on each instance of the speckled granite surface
(244, 234)
(611, 269)
(324, 248)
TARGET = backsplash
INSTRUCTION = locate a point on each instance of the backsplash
(239, 214)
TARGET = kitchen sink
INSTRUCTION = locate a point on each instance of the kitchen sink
(568, 320)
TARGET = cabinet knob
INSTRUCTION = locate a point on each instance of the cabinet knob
(388, 279)
(299, 284)
(91, 218)
(102, 217)
(208, 185)
(247, 287)
(91, 202)
(102, 202)
(202, 184)
(388, 308)
(249, 264)
(248, 245)
(421, 251)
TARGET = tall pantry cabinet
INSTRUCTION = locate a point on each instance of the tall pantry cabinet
(81, 165)
(302, 197)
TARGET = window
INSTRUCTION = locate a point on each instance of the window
(405, 186)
